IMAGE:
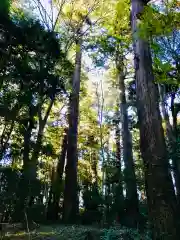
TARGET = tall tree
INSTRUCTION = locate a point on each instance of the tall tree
(71, 204)
(129, 172)
(70, 193)
(159, 186)
(119, 197)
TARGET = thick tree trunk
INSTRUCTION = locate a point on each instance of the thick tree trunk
(171, 142)
(129, 173)
(70, 208)
(159, 186)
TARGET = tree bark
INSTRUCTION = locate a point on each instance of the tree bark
(25, 182)
(70, 208)
(50, 209)
(94, 165)
(26, 146)
(57, 189)
(129, 173)
(119, 197)
(159, 187)
(42, 124)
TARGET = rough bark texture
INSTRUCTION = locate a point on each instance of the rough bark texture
(129, 173)
(159, 186)
(70, 207)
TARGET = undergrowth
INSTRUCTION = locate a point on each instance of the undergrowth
(60, 232)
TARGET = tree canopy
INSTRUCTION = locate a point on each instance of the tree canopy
(89, 117)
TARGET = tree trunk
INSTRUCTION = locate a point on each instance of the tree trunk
(27, 170)
(94, 165)
(171, 142)
(159, 186)
(70, 208)
(165, 115)
(174, 114)
(60, 167)
(119, 197)
(50, 208)
(59, 174)
(129, 172)
(7, 131)
(42, 124)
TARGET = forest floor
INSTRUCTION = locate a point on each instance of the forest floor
(60, 232)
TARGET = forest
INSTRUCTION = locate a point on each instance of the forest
(90, 119)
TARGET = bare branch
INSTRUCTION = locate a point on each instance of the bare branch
(43, 13)
(59, 12)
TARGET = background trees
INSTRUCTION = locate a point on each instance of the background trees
(78, 90)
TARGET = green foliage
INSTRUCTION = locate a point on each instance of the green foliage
(123, 233)
(156, 21)
(80, 233)
(35, 72)
(5, 7)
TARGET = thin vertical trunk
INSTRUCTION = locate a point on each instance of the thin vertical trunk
(60, 167)
(50, 209)
(94, 161)
(159, 186)
(174, 115)
(119, 197)
(70, 208)
(27, 171)
(171, 141)
(165, 115)
(42, 124)
(100, 105)
(28, 168)
(58, 178)
(107, 185)
(129, 173)
(5, 138)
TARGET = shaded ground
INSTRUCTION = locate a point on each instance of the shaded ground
(60, 232)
